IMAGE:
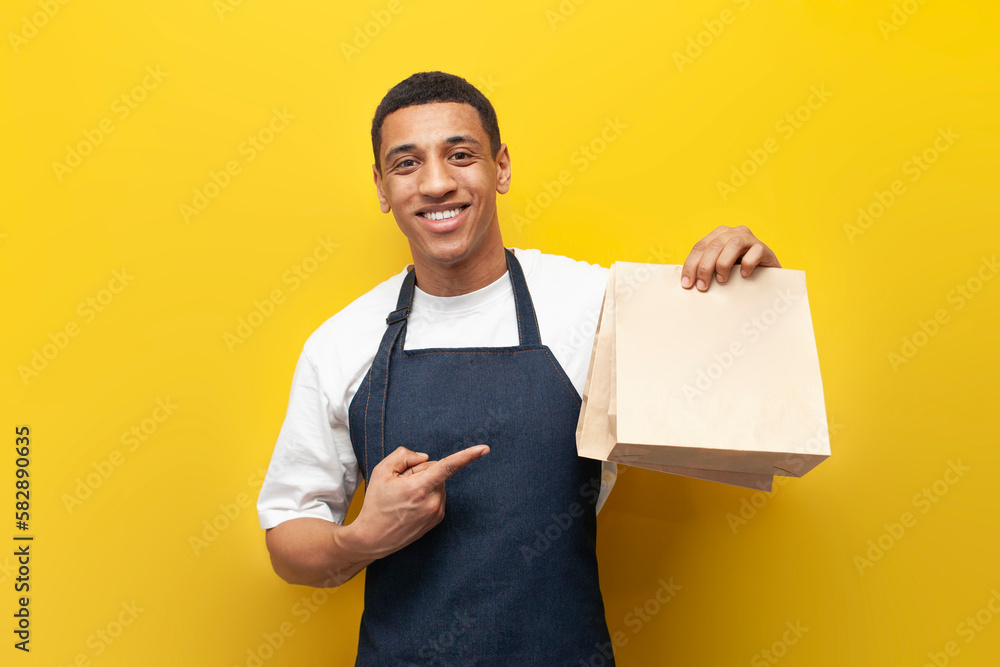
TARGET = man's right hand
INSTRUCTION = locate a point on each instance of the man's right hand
(404, 498)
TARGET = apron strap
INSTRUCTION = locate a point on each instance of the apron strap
(527, 323)
(405, 300)
(378, 380)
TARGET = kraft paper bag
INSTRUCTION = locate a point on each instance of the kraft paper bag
(722, 385)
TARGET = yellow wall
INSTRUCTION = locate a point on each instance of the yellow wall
(128, 298)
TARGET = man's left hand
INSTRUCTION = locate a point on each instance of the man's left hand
(715, 255)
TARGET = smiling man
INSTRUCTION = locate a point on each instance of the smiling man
(446, 363)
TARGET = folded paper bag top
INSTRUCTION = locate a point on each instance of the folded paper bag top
(722, 385)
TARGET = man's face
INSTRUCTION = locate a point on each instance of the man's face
(440, 182)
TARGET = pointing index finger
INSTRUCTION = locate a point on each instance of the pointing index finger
(439, 472)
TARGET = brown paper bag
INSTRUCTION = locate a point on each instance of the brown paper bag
(723, 385)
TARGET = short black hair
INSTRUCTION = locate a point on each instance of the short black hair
(429, 87)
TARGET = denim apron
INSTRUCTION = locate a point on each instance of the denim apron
(509, 576)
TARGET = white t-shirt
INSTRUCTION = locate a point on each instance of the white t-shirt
(313, 471)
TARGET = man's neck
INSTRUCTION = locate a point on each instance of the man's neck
(461, 278)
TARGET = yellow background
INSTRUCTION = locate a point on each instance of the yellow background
(556, 72)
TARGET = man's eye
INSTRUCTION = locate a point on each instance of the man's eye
(461, 155)
(406, 163)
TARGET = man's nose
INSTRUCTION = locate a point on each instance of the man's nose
(436, 180)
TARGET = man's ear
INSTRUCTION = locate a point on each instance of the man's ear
(503, 170)
(383, 201)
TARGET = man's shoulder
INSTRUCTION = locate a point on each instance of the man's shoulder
(557, 279)
(559, 269)
(567, 293)
(361, 320)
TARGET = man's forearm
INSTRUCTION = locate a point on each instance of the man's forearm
(403, 500)
(316, 552)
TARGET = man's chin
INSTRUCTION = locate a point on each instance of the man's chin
(454, 255)
(452, 260)
(447, 256)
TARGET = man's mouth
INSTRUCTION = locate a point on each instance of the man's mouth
(443, 215)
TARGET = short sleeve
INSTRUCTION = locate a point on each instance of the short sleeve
(313, 471)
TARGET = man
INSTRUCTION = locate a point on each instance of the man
(440, 366)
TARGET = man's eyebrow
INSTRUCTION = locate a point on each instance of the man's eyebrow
(463, 139)
(402, 148)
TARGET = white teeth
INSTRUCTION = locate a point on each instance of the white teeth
(442, 215)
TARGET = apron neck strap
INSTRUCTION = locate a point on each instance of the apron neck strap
(527, 323)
